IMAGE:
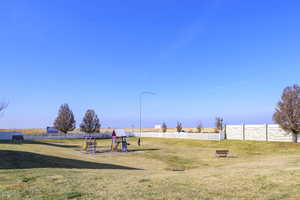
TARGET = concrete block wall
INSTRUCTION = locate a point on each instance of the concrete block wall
(255, 132)
(234, 132)
(275, 133)
(259, 132)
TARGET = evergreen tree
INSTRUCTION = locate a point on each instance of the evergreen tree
(65, 120)
(90, 122)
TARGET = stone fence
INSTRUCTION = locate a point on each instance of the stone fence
(263, 132)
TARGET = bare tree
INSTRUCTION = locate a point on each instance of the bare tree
(179, 127)
(3, 106)
(90, 123)
(219, 123)
(287, 112)
(65, 120)
(199, 127)
(164, 127)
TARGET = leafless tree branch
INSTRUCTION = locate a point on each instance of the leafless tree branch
(3, 106)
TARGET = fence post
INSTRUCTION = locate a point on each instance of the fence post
(243, 131)
(267, 136)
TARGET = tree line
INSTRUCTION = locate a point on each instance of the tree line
(287, 115)
(179, 127)
(65, 121)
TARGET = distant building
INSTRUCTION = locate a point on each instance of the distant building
(52, 130)
(157, 126)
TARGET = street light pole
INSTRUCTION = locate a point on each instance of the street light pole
(140, 101)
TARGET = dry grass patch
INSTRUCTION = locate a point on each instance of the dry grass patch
(25, 131)
(54, 169)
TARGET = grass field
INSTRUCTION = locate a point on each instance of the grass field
(57, 170)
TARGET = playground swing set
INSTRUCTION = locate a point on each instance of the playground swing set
(90, 144)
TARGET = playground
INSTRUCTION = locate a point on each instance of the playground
(158, 169)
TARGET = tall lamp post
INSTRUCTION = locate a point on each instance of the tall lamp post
(140, 100)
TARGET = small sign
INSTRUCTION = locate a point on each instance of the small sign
(52, 130)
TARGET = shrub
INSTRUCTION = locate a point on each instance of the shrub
(199, 127)
(179, 127)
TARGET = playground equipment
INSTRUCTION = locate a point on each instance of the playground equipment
(118, 143)
(114, 144)
(117, 139)
(123, 142)
(90, 145)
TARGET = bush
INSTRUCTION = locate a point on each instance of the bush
(179, 127)
(199, 127)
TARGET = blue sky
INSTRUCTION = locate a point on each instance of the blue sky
(203, 59)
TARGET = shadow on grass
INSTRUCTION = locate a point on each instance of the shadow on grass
(27, 160)
(141, 150)
(50, 144)
(42, 143)
(108, 150)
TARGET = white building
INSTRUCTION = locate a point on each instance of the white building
(157, 126)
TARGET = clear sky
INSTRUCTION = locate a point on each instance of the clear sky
(203, 58)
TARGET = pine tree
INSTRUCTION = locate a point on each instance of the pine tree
(65, 120)
(90, 122)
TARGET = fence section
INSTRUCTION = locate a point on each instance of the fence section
(199, 136)
(255, 132)
(79, 135)
(259, 132)
(234, 132)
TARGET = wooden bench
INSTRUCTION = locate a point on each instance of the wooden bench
(222, 153)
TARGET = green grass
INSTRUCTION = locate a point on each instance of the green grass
(160, 169)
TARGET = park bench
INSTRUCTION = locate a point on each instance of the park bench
(222, 153)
